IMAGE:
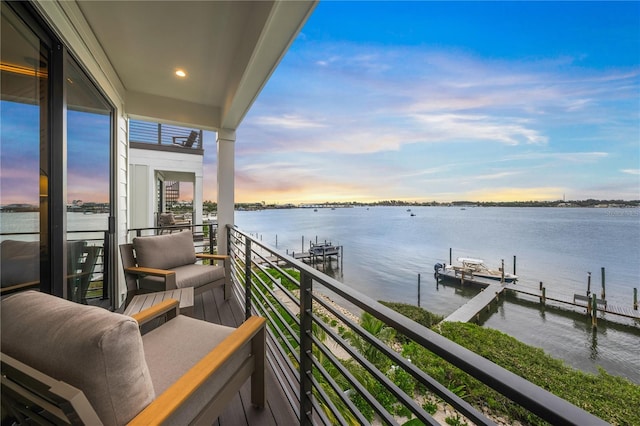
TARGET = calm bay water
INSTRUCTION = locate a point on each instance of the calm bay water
(385, 249)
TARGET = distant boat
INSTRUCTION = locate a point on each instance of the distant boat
(412, 214)
(472, 268)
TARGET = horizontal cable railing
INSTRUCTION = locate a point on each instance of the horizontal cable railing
(335, 369)
(86, 272)
(163, 134)
(205, 235)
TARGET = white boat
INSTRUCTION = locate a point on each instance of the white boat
(471, 269)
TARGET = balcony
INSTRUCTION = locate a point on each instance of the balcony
(163, 137)
(324, 379)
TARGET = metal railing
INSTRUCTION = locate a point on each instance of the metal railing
(148, 135)
(334, 370)
(96, 273)
(205, 235)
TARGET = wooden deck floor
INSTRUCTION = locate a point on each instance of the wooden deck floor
(211, 306)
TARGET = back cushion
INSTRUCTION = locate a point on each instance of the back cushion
(165, 251)
(92, 349)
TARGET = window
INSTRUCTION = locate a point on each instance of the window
(55, 179)
(24, 135)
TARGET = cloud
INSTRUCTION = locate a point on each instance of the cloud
(631, 171)
(461, 127)
(384, 121)
(567, 157)
(516, 194)
(288, 122)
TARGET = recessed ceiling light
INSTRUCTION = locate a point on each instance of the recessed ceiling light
(181, 73)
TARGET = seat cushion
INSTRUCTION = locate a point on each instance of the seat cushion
(168, 360)
(165, 251)
(194, 275)
(90, 348)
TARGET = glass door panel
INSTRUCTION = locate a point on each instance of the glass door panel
(23, 153)
(89, 124)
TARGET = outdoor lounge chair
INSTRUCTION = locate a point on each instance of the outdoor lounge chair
(186, 141)
(66, 363)
(165, 262)
(168, 222)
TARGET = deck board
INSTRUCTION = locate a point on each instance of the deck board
(212, 307)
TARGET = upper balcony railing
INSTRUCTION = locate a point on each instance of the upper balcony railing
(336, 370)
(164, 137)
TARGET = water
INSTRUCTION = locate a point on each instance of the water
(385, 249)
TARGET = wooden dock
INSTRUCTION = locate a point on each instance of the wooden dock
(578, 301)
(473, 307)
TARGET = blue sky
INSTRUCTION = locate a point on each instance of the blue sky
(449, 101)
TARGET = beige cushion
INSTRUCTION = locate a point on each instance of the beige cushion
(194, 275)
(168, 360)
(97, 351)
(166, 219)
(165, 251)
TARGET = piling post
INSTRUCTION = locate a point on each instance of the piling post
(635, 298)
(502, 273)
(302, 250)
(450, 256)
(418, 290)
(603, 295)
(514, 265)
(543, 299)
(589, 284)
(594, 312)
(276, 240)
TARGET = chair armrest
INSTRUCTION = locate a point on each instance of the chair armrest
(222, 257)
(143, 270)
(177, 394)
(169, 307)
(169, 276)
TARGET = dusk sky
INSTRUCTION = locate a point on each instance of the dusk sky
(416, 101)
(448, 101)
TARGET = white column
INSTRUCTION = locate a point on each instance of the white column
(226, 184)
(197, 198)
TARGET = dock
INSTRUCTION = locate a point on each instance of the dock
(473, 307)
(578, 301)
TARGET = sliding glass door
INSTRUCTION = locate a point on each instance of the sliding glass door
(56, 161)
(24, 136)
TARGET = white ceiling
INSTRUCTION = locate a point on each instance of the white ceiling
(227, 48)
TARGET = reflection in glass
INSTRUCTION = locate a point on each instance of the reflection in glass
(23, 152)
(88, 159)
